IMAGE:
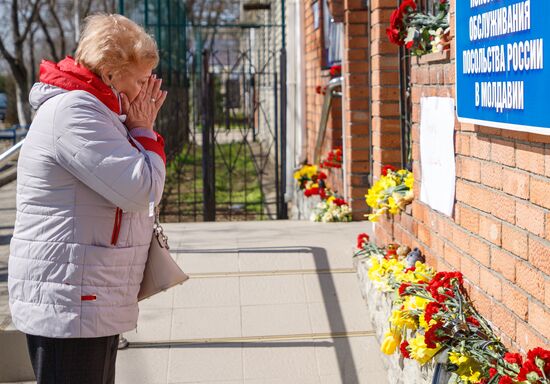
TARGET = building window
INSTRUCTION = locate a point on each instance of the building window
(332, 38)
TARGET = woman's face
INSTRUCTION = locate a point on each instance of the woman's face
(131, 81)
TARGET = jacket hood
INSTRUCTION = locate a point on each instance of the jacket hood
(41, 92)
(67, 75)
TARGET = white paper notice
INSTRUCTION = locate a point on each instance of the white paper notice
(437, 153)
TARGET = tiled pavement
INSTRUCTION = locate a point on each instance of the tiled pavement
(267, 302)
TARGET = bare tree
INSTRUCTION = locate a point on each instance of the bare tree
(22, 16)
(36, 29)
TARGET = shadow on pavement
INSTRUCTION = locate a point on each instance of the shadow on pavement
(346, 362)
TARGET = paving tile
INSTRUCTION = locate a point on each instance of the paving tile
(208, 262)
(209, 322)
(278, 289)
(293, 359)
(332, 287)
(207, 292)
(344, 359)
(194, 364)
(270, 260)
(142, 365)
(161, 300)
(153, 325)
(278, 319)
(343, 316)
(321, 260)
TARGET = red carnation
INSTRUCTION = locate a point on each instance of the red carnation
(505, 380)
(431, 337)
(409, 44)
(362, 238)
(335, 70)
(404, 350)
(440, 286)
(431, 309)
(528, 367)
(393, 36)
(403, 289)
(513, 358)
(405, 5)
(339, 202)
(542, 354)
(492, 372)
(472, 320)
(321, 176)
(387, 168)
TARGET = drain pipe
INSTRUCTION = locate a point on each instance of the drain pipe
(344, 127)
(327, 102)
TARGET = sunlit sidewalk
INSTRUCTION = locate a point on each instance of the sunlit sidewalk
(267, 302)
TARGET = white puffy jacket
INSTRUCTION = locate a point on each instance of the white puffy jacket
(66, 278)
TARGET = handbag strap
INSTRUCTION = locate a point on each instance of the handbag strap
(158, 230)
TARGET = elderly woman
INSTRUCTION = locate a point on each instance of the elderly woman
(89, 172)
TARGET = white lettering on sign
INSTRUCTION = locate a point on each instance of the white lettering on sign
(502, 21)
(484, 60)
(501, 95)
(479, 3)
(525, 55)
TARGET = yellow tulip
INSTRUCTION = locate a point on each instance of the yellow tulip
(391, 341)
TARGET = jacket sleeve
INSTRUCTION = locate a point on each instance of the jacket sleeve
(89, 146)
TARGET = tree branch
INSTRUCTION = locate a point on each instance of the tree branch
(29, 21)
(49, 40)
(55, 17)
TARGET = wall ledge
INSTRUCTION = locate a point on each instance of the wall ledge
(436, 57)
(400, 370)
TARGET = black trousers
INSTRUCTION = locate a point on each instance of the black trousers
(73, 361)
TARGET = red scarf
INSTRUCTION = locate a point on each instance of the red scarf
(69, 75)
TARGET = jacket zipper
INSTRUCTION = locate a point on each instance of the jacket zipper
(116, 227)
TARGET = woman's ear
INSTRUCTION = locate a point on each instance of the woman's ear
(107, 78)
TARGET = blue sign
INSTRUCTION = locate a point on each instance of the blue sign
(502, 71)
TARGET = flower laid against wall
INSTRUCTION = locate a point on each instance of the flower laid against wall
(334, 159)
(391, 193)
(433, 317)
(312, 182)
(419, 32)
(335, 70)
(333, 209)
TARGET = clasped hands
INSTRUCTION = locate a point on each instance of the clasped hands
(143, 110)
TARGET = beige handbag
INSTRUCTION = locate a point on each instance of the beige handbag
(161, 271)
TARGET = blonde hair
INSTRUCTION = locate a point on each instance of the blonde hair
(113, 43)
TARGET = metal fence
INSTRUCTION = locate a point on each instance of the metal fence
(223, 123)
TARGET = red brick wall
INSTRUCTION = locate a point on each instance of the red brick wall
(315, 77)
(499, 235)
(355, 68)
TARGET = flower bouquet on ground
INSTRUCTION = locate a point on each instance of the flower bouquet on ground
(391, 193)
(331, 210)
(433, 316)
(420, 32)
